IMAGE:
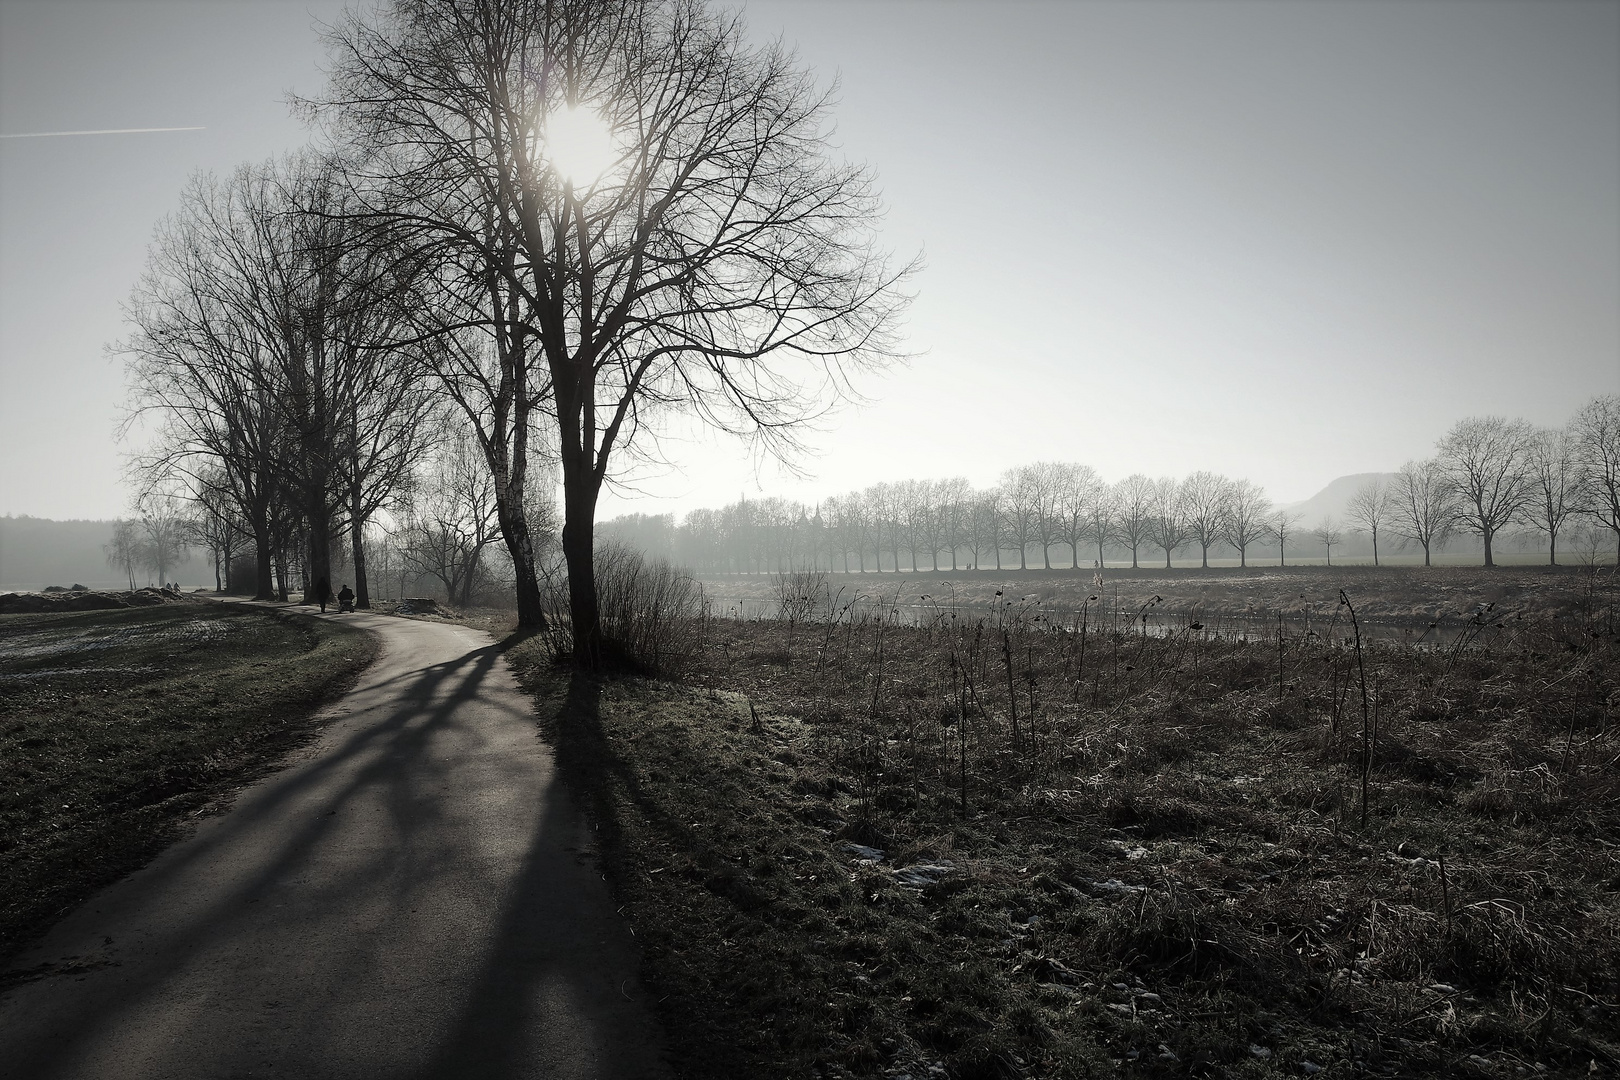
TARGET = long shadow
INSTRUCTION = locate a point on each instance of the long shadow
(597, 774)
(401, 736)
(559, 939)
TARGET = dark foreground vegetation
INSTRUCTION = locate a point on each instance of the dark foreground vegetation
(1018, 846)
(119, 726)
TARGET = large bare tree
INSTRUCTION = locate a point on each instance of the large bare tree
(1245, 516)
(1371, 507)
(1204, 499)
(1425, 507)
(1134, 500)
(259, 349)
(1555, 484)
(709, 258)
(1021, 505)
(1282, 525)
(1486, 463)
(1168, 520)
(1596, 431)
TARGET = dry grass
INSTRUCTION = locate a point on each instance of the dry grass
(117, 727)
(1116, 853)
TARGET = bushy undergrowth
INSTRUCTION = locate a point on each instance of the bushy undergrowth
(652, 613)
(1013, 847)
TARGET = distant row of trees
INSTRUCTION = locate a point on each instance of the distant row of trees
(1488, 473)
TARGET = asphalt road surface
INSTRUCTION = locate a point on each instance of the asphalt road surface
(415, 897)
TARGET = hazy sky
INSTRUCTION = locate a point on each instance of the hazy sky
(1281, 241)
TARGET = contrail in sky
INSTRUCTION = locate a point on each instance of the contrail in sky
(106, 131)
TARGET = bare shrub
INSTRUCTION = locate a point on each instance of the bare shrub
(802, 595)
(652, 612)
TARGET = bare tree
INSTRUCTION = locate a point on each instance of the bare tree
(1046, 480)
(1245, 516)
(196, 367)
(450, 520)
(1134, 500)
(1596, 431)
(1102, 512)
(1281, 526)
(1425, 508)
(988, 517)
(1485, 460)
(934, 519)
(710, 261)
(1555, 478)
(887, 514)
(917, 512)
(1168, 526)
(123, 551)
(1204, 497)
(955, 498)
(165, 531)
(1021, 502)
(1371, 507)
(216, 525)
(1078, 498)
(1327, 534)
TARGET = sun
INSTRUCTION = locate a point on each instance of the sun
(579, 145)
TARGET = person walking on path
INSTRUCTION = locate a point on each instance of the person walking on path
(323, 593)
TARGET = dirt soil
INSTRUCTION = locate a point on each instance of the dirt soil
(82, 599)
(975, 849)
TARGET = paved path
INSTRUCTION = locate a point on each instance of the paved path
(413, 899)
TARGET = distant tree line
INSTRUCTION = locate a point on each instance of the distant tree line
(1488, 474)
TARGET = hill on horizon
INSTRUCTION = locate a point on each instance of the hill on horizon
(1333, 499)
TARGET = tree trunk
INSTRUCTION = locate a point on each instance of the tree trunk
(264, 577)
(520, 546)
(1375, 546)
(1206, 554)
(578, 543)
(319, 567)
(357, 540)
(281, 576)
(1486, 533)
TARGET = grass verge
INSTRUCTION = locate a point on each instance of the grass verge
(1011, 850)
(118, 727)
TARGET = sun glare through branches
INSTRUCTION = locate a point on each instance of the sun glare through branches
(579, 145)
